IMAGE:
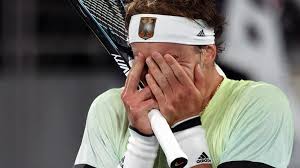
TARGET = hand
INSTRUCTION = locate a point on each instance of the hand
(177, 95)
(138, 102)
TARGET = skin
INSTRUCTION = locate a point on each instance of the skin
(177, 73)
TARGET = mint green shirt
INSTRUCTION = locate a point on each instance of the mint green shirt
(244, 120)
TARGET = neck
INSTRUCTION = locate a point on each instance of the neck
(214, 80)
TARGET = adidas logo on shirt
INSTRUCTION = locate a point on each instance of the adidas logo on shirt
(201, 33)
(203, 158)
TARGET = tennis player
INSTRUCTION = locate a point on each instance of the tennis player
(218, 122)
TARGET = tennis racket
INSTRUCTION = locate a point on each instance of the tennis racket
(106, 18)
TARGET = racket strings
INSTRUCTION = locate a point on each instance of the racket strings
(108, 14)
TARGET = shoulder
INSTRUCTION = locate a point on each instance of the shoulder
(247, 90)
(109, 97)
(106, 128)
(264, 94)
(262, 103)
(250, 100)
(262, 127)
(107, 103)
(110, 94)
(264, 90)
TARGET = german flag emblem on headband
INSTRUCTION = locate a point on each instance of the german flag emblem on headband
(154, 28)
(146, 28)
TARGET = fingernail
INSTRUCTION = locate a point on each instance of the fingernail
(198, 66)
(147, 76)
(148, 60)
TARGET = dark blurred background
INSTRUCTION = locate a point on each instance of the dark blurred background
(52, 67)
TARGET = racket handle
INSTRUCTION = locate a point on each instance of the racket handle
(176, 158)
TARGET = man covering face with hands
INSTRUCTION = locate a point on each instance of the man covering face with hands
(218, 122)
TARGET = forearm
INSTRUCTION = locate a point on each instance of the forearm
(191, 137)
(141, 151)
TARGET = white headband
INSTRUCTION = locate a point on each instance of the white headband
(172, 29)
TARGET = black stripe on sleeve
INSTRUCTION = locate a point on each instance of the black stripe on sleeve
(244, 164)
(137, 131)
(187, 124)
(83, 166)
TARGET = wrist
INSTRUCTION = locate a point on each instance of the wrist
(141, 133)
(186, 124)
(191, 138)
(142, 139)
(141, 150)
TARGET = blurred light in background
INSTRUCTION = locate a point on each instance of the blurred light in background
(52, 67)
(262, 47)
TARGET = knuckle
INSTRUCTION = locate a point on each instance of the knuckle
(176, 100)
(152, 103)
(146, 92)
(180, 95)
(122, 94)
(127, 101)
(124, 97)
(169, 108)
(164, 82)
(147, 89)
(132, 109)
(168, 72)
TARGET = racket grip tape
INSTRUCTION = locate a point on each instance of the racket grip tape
(176, 158)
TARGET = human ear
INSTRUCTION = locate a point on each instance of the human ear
(209, 55)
